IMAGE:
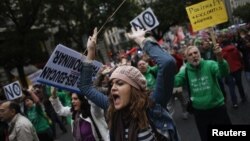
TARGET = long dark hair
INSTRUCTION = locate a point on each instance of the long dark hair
(84, 108)
(139, 103)
(85, 112)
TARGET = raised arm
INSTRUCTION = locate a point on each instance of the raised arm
(222, 69)
(91, 46)
(57, 105)
(85, 84)
(34, 97)
(165, 62)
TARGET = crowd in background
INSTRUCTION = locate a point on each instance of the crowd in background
(35, 115)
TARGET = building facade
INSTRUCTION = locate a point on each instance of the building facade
(231, 5)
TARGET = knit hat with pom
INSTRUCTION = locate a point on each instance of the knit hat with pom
(130, 75)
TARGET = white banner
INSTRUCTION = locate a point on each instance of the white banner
(34, 76)
(146, 20)
(63, 69)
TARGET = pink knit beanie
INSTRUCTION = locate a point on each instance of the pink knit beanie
(130, 75)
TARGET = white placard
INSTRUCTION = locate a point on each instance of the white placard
(146, 20)
(13, 90)
(34, 76)
(63, 69)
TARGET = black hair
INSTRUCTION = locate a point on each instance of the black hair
(85, 112)
(15, 106)
(84, 109)
(25, 92)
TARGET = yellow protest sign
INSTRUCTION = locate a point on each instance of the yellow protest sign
(206, 14)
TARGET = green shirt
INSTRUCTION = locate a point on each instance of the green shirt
(37, 117)
(204, 88)
(150, 76)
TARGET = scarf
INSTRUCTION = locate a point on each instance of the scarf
(121, 121)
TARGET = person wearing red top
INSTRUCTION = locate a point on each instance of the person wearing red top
(233, 57)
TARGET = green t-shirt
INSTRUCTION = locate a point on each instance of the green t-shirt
(150, 76)
(38, 118)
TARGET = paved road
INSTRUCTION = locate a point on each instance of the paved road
(187, 128)
(64, 136)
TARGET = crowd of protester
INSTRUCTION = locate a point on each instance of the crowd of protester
(132, 97)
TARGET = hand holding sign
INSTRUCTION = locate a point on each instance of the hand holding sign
(53, 92)
(91, 45)
(137, 35)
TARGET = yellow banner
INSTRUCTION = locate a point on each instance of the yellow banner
(206, 14)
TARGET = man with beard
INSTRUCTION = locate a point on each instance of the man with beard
(206, 97)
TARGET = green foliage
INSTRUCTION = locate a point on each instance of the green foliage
(169, 13)
(28, 24)
(191, 2)
(20, 41)
(76, 19)
(21, 34)
(242, 12)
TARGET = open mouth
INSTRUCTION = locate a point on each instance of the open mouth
(196, 60)
(116, 98)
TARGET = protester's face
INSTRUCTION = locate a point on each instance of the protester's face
(120, 92)
(76, 103)
(28, 103)
(205, 45)
(124, 61)
(105, 80)
(38, 91)
(242, 35)
(193, 56)
(6, 114)
(142, 66)
(37, 88)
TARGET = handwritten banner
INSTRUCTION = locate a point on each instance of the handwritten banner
(207, 14)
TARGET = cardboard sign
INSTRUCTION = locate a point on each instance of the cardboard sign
(13, 90)
(146, 20)
(207, 14)
(33, 77)
(63, 69)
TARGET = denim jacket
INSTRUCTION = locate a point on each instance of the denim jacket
(158, 114)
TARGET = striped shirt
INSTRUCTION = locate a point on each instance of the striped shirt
(143, 135)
